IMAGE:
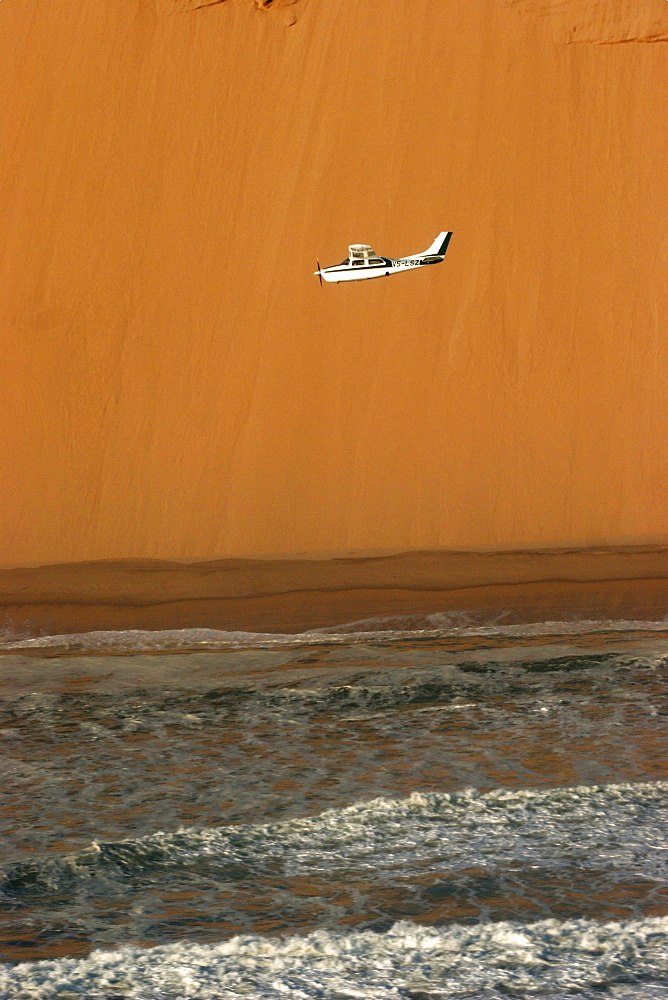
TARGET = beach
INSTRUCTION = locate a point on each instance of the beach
(293, 595)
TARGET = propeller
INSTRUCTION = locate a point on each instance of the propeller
(319, 271)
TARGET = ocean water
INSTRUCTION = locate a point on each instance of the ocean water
(413, 808)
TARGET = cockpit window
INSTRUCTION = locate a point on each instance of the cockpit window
(361, 254)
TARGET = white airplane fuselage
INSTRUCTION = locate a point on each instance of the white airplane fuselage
(367, 265)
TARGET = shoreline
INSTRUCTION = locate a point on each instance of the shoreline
(295, 595)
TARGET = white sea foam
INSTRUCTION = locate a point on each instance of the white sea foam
(492, 959)
(607, 826)
(596, 828)
(436, 626)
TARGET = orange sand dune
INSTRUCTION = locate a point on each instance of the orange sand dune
(599, 21)
(175, 384)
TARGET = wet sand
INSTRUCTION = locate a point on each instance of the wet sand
(293, 595)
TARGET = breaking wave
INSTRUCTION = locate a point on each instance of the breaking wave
(493, 960)
(378, 630)
(604, 827)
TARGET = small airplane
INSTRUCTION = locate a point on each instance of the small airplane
(362, 262)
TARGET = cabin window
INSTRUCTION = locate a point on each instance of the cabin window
(358, 262)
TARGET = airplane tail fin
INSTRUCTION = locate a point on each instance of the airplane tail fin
(438, 247)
